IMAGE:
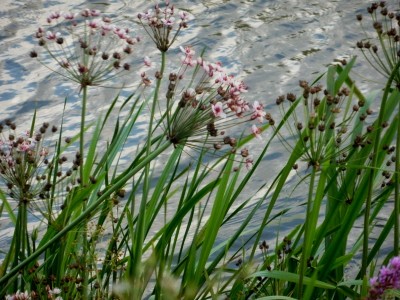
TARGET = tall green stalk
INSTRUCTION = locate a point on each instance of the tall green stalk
(92, 208)
(306, 243)
(376, 143)
(82, 134)
(397, 189)
(140, 229)
(83, 182)
(21, 239)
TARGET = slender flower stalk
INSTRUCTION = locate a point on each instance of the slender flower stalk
(307, 242)
(376, 142)
(382, 51)
(82, 135)
(383, 54)
(89, 50)
(322, 142)
(26, 171)
(142, 213)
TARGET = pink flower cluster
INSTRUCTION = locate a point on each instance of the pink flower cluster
(229, 89)
(161, 22)
(87, 46)
(213, 104)
(387, 279)
(15, 150)
(91, 19)
(23, 160)
(158, 17)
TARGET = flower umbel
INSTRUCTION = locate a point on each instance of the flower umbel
(25, 163)
(162, 25)
(382, 51)
(212, 105)
(322, 125)
(22, 159)
(89, 49)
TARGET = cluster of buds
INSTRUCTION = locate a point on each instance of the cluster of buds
(285, 248)
(212, 105)
(87, 47)
(388, 177)
(162, 26)
(22, 158)
(24, 162)
(320, 121)
(387, 279)
(384, 53)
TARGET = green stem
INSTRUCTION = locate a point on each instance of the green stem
(20, 236)
(397, 188)
(82, 134)
(83, 182)
(90, 210)
(376, 142)
(306, 247)
(140, 231)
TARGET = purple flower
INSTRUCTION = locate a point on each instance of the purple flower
(387, 279)
(77, 43)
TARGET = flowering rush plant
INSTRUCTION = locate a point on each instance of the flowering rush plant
(162, 26)
(24, 161)
(87, 47)
(210, 105)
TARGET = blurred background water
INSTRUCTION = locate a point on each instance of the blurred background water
(271, 44)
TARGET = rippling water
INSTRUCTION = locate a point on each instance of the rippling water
(271, 44)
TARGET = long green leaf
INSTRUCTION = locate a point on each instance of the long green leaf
(291, 277)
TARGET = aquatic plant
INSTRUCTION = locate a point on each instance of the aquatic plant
(382, 49)
(211, 111)
(86, 47)
(162, 26)
(385, 23)
(29, 175)
(214, 104)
